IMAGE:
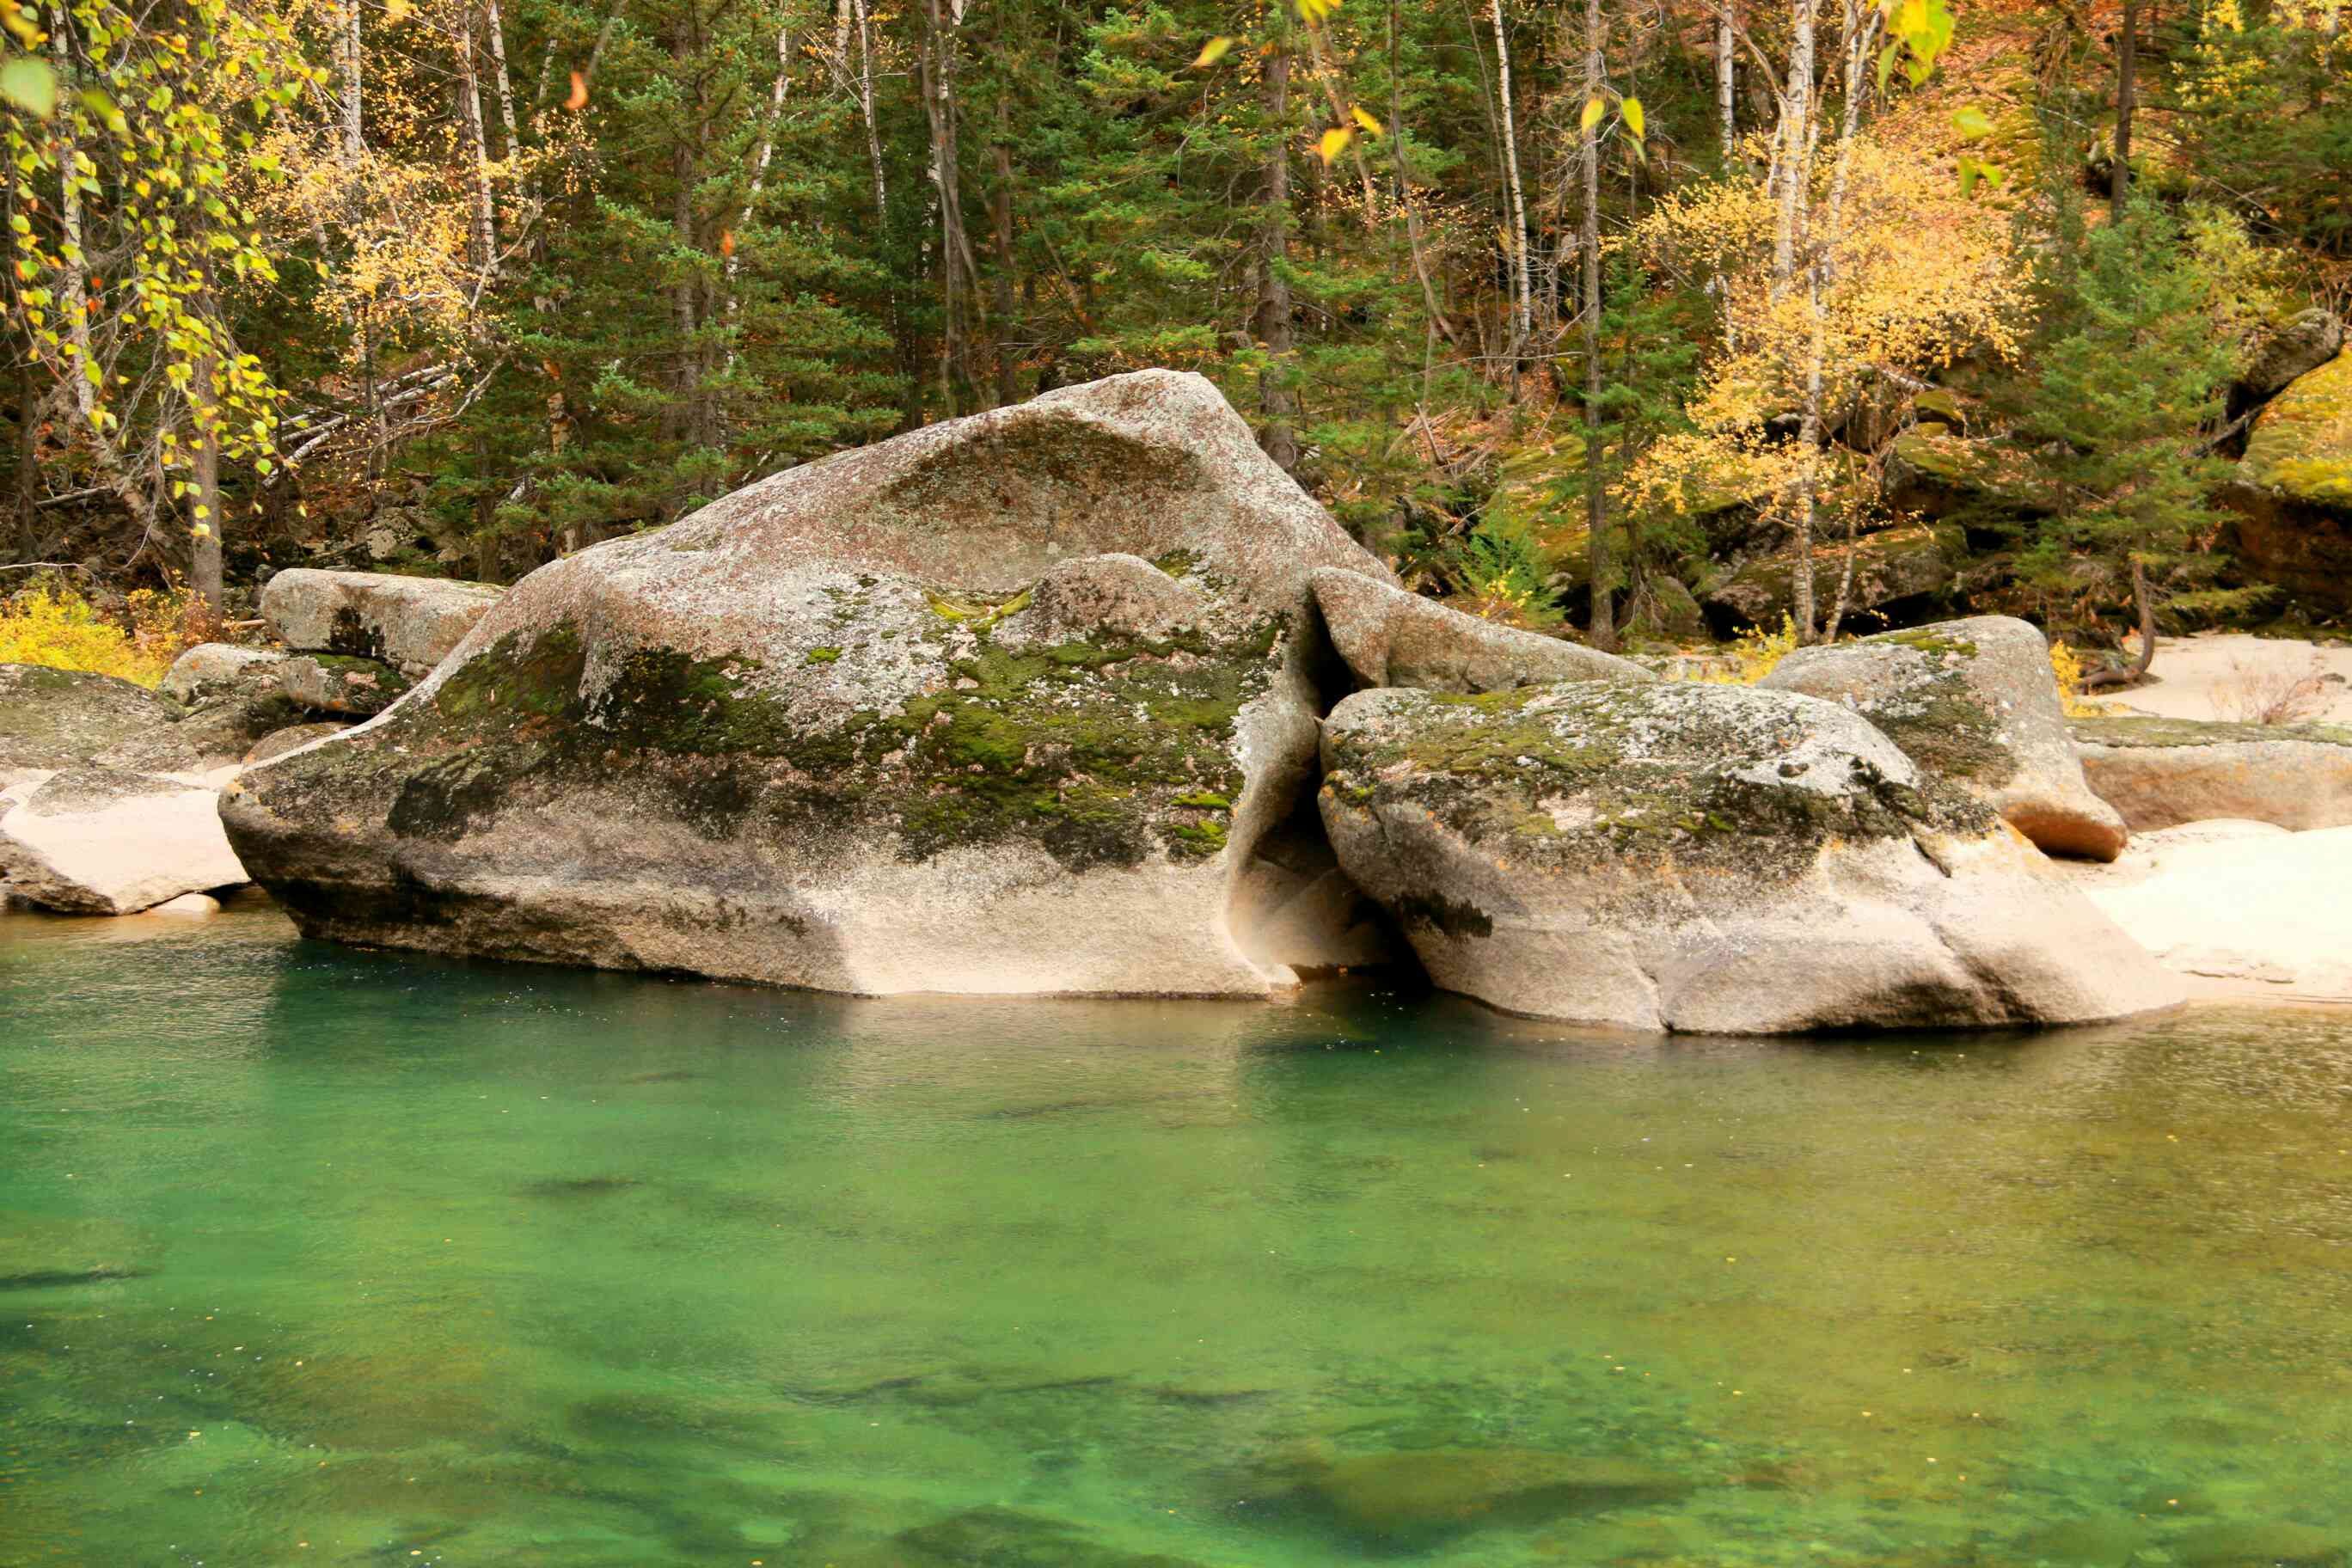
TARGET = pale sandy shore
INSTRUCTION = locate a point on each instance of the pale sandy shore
(2239, 909)
(2219, 675)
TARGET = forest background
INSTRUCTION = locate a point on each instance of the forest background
(1650, 318)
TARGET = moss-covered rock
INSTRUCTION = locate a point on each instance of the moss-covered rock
(2162, 773)
(1003, 705)
(2302, 443)
(1708, 858)
(1974, 704)
(53, 718)
(339, 684)
(216, 669)
(1894, 567)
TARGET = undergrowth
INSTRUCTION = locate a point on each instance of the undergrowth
(49, 624)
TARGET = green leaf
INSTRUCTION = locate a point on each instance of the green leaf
(1634, 118)
(1973, 123)
(27, 84)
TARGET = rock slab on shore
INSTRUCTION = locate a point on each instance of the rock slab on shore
(92, 840)
(2163, 773)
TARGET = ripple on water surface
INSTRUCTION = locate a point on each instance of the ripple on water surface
(310, 1256)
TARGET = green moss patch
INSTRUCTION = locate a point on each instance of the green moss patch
(1100, 752)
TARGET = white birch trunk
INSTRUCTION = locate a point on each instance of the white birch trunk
(1523, 300)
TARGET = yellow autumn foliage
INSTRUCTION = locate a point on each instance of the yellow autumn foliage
(49, 624)
(1911, 276)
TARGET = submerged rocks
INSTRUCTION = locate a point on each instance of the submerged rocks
(1707, 858)
(1411, 1496)
(2162, 773)
(858, 727)
(92, 840)
(410, 623)
(1974, 703)
(1391, 637)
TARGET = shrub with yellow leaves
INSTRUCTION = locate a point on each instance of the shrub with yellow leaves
(49, 624)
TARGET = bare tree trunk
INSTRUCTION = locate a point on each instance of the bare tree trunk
(469, 114)
(760, 162)
(1603, 633)
(204, 551)
(1791, 172)
(865, 110)
(496, 29)
(2127, 91)
(1809, 463)
(348, 63)
(1523, 298)
(1008, 382)
(1278, 399)
(958, 274)
(1727, 47)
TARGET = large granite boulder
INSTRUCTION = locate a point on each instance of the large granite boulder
(92, 840)
(410, 623)
(1975, 702)
(1391, 637)
(2162, 773)
(849, 729)
(1708, 858)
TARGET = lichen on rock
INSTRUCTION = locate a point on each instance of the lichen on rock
(1975, 704)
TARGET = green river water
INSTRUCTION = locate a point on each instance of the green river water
(310, 1257)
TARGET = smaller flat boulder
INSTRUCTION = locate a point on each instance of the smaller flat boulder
(1391, 637)
(214, 669)
(1709, 860)
(2293, 349)
(2161, 773)
(52, 719)
(1973, 702)
(411, 623)
(334, 683)
(92, 840)
(1897, 566)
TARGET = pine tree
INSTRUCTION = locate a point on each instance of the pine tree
(2126, 383)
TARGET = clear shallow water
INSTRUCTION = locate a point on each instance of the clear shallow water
(317, 1257)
